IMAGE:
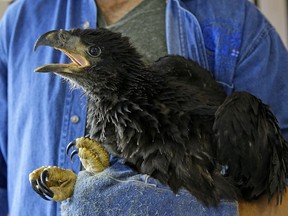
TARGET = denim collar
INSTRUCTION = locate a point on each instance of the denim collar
(183, 33)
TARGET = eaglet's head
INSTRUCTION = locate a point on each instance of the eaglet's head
(97, 56)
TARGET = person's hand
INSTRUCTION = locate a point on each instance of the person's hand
(261, 207)
(119, 190)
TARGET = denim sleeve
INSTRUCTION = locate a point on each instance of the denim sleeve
(3, 127)
(263, 66)
(119, 190)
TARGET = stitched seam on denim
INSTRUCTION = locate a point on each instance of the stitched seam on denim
(181, 36)
(201, 44)
(3, 52)
(263, 34)
(130, 180)
(82, 11)
(231, 86)
(65, 126)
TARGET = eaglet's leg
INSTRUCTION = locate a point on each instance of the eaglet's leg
(93, 156)
(53, 183)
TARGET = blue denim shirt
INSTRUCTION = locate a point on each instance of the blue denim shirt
(40, 114)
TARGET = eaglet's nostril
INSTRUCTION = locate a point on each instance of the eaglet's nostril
(63, 35)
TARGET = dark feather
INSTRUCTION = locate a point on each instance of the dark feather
(249, 141)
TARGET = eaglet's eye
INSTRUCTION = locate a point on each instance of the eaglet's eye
(94, 51)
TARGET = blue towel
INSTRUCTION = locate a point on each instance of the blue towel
(119, 190)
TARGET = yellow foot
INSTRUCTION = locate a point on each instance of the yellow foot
(52, 182)
(93, 156)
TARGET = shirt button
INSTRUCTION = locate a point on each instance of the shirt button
(74, 119)
(86, 25)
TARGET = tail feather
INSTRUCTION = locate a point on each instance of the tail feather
(225, 187)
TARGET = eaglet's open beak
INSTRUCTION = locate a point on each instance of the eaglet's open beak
(70, 45)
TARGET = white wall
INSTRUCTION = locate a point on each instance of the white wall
(277, 13)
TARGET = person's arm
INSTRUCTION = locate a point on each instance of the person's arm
(262, 66)
(3, 131)
(119, 190)
(262, 70)
(261, 207)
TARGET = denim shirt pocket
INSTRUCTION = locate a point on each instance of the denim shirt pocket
(212, 42)
(222, 42)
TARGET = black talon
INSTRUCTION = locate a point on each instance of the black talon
(42, 184)
(36, 189)
(43, 191)
(73, 154)
(69, 146)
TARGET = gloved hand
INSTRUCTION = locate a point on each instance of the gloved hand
(119, 190)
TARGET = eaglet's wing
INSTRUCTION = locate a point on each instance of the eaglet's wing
(250, 145)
